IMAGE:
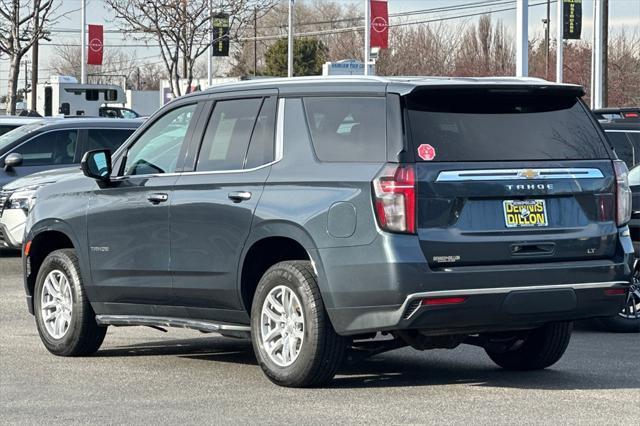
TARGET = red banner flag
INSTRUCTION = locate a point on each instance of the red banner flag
(95, 45)
(379, 24)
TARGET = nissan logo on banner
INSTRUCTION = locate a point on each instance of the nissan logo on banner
(379, 24)
(96, 45)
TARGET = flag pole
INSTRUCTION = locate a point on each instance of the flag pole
(559, 42)
(83, 42)
(210, 49)
(367, 36)
(290, 42)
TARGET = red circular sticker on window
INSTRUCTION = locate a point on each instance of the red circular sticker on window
(426, 152)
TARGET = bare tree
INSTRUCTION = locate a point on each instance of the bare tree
(181, 28)
(486, 50)
(116, 64)
(22, 24)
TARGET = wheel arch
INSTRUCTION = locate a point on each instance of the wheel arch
(43, 239)
(269, 243)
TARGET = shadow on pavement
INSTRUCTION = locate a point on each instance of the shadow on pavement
(391, 372)
(10, 253)
(393, 369)
(208, 349)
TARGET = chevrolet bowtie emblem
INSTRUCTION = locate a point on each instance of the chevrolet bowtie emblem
(529, 174)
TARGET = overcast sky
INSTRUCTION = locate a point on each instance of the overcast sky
(622, 14)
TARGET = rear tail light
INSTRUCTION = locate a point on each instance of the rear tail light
(623, 193)
(394, 192)
(615, 292)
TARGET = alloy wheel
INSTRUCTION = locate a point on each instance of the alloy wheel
(282, 326)
(56, 304)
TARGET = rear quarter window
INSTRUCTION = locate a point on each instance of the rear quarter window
(347, 128)
(490, 125)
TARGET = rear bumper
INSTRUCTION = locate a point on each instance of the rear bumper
(495, 309)
(380, 288)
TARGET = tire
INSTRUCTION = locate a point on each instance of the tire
(317, 350)
(628, 319)
(82, 335)
(542, 348)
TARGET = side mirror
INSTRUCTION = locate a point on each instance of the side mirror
(14, 159)
(97, 165)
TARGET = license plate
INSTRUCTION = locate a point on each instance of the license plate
(525, 213)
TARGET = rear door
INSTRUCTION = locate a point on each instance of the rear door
(510, 177)
(212, 209)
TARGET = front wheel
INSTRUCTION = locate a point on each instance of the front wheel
(64, 317)
(293, 339)
(541, 348)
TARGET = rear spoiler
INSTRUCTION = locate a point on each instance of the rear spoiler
(554, 88)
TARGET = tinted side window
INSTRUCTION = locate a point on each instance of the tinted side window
(261, 148)
(158, 148)
(622, 146)
(107, 138)
(57, 147)
(4, 128)
(92, 95)
(347, 128)
(634, 137)
(226, 140)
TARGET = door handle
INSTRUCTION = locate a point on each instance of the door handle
(239, 196)
(158, 198)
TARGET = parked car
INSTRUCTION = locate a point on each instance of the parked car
(618, 114)
(47, 145)
(117, 112)
(628, 319)
(624, 136)
(313, 214)
(55, 143)
(9, 123)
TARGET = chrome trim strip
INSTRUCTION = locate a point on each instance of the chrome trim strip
(518, 174)
(620, 131)
(135, 320)
(502, 290)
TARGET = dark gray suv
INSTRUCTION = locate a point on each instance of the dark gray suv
(324, 215)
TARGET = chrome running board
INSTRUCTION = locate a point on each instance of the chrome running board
(203, 326)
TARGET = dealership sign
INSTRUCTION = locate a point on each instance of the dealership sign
(96, 45)
(572, 17)
(379, 24)
(221, 34)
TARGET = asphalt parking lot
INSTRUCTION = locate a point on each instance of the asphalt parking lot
(144, 376)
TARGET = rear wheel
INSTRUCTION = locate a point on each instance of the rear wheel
(540, 349)
(628, 319)
(65, 320)
(293, 339)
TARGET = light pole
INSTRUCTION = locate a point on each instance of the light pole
(522, 35)
(290, 41)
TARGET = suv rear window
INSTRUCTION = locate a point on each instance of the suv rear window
(347, 128)
(499, 125)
